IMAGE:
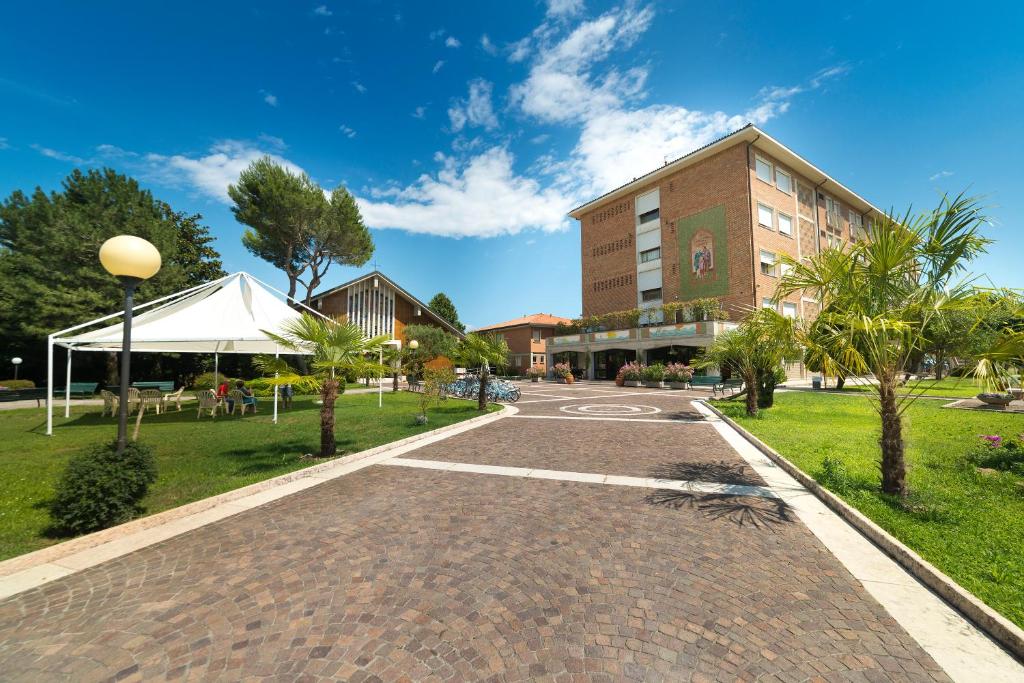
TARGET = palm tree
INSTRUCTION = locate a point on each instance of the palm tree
(755, 351)
(336, 349)
(878, 299)
(478, 350)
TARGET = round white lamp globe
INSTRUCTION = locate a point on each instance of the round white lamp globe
(130, 256)
(16, 361)
(414, 345)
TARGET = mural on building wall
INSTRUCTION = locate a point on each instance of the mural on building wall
(703, 264)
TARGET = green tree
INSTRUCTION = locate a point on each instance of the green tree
(335, 349)
(482, 351)
(50, 277)
(444, 308)
(434, 342)
(292, 225)
(880, 296)
(755, 351)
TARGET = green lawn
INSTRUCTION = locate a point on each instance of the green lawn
(950, 387)
(195, 458)
(968, 524)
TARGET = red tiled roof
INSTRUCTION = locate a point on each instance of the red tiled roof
(538, 319)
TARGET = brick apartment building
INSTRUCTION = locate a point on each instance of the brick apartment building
(712, 223)
(378, 306)
(526, 338)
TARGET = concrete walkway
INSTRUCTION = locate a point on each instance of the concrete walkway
(598, 534)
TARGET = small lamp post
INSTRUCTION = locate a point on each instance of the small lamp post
(15, 362)
(131, 260)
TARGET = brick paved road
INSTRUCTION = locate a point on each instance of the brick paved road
(395, 573)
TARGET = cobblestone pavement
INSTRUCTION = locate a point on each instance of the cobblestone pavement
(398, 573)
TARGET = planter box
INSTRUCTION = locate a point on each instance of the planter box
(678, 385)
(654, 384)
(1000, 400)
(535, 379)
(632, 383)
(1018, 394)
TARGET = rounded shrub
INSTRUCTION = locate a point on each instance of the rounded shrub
(205, 381)
(100, 488)
(17, 384)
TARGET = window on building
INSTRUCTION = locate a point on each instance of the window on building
(856, 225)
(832, 213)
(650, 255)
(784, 269)
(785, 224)
(768, 264)
(536, 335)
(764, 216)
(649, 216)
(764, 169)
(651, 295)
(767, 303)
(783, 181)
(788, 309)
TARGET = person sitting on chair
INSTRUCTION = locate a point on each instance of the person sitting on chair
(248, 398)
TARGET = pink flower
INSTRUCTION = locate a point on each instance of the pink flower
(994, 440)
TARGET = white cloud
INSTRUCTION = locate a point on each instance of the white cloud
(476, 110)
(212, 173)
(272, 140)
(561, 85)
(487, 46)
(58, 155)
(322, 11)
(4, 144)
(419, 112)
(940, 175)
(346, 131)
(434, 35)
(564, 8)
(481, 198)
(452, 41)
(360, 88)
(269, 98)
(437, 66)
(113, 152)
(540, 139)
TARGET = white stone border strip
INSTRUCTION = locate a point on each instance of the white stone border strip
(48, 564)
(588, 477)
(970, 648)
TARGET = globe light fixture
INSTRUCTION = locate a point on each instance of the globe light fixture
(414, 345)
(15, 362)
(131, 260)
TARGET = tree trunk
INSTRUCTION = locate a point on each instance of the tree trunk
(394, 382)
(840, 382)
(482, 399)
(112, 378)
(329, 393)
(939, 361)
(751, 382)
(894, 469)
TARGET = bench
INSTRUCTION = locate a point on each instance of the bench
(162, 385)
(704, 381)
(730, 385)
(39, 394)
(81, 389)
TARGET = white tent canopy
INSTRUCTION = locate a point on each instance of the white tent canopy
(228, 315)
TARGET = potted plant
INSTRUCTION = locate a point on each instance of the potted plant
(632, 374)
(654, 376)
(678, 375)
(534, 373)
(563, 371)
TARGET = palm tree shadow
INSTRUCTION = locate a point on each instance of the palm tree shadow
(720, 472)
(743, 511)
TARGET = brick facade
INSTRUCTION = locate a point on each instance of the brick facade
(525, 350)
(726, 177)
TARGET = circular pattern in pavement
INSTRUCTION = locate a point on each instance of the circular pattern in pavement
(610, 410)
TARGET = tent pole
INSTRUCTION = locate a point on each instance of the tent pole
(277, 353)
(216, 379)
(380, 380)
(67, 389)
(49, 385)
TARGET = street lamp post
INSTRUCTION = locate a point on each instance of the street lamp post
(15, 362)
(131, 260)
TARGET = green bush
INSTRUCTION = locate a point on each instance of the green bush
(100, 488)
(206, 381)
(653, 373)
(260, 387)
(17, 384)
(834, 475)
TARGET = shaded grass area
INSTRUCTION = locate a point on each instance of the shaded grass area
(969, 524)
(195, 458)
(950, 387)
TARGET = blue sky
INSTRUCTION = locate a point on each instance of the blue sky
(467, 130)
